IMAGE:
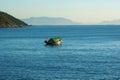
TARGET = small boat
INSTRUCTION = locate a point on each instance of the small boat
(54, 41)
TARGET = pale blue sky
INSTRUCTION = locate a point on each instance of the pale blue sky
(84, 11)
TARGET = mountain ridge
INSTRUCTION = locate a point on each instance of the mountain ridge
(49, 21)
(7, 20)
(111, 22)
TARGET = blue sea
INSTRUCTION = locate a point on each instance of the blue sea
(88, 52)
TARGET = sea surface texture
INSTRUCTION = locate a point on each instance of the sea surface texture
(87, 53)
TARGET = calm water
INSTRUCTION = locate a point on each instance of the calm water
(87, 53)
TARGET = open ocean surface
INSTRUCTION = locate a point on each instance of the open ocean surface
(87, 53)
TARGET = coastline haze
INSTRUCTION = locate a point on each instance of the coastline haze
(86, 12)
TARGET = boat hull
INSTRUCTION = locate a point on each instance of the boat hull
(54, 41)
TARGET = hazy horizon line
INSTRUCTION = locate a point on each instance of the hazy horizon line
(81, 23)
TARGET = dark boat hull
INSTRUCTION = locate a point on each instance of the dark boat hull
(53, 43)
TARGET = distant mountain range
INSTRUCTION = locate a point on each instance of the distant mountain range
(113, 22)
(6, 20)
(49, 21)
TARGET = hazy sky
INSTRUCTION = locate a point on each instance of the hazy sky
(84, 11)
